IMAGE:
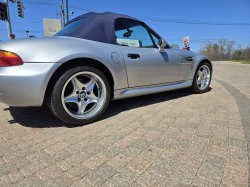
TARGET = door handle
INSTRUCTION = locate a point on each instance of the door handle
(133, 56)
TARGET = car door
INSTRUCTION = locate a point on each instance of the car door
(145, 65)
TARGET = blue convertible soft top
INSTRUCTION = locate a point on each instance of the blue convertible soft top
(99, 26)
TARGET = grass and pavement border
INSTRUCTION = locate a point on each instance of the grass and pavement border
(241, 61)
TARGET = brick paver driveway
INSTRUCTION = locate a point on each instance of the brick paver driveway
(168, 139)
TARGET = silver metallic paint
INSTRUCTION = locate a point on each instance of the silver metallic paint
(62, 49)
(26, 85)
(152, 67)
(187, 72)
(138, 91)
(162, 45)
(116, 57)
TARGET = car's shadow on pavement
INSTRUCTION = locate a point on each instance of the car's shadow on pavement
(41, 117)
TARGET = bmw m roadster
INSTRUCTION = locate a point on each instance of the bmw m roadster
(95, 58)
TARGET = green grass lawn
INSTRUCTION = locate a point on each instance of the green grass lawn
(242, 61)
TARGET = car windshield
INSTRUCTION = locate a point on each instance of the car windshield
(68, 29)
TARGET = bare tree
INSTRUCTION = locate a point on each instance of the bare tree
(223, 50)
(237, 55)
(223, 43)
(230, 49)
(246, 53)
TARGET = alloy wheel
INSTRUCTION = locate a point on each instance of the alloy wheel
(203, 77)
(83, 95)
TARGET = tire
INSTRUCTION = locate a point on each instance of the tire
(201, 78)
(80, 96)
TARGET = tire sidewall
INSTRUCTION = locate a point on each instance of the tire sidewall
(56, 102)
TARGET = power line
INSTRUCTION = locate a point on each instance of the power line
(23, 31)
(172, 21)
(40, 3)
(26, 22)
(208, 40)
(150, 18)
(192, 22)
(152, 8)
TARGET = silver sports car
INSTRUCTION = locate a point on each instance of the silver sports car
(95, 58)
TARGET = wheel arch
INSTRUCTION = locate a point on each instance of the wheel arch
(197, 65)
(208, 61)
(79, 62)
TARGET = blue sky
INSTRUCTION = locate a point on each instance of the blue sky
(167, 11)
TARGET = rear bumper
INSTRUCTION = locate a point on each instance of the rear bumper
(25, 85)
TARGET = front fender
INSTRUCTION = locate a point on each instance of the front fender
(187, 72)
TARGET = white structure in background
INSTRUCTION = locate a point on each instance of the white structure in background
(51, 26)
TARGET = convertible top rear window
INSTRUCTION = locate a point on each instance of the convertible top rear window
(68, 29)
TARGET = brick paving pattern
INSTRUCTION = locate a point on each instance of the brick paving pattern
(168, 139)
(235, 74)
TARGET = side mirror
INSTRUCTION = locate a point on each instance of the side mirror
(161, 44)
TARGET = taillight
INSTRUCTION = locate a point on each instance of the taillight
(10, 59)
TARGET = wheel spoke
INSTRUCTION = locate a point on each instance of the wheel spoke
(93, 96)
(204, 73)
(71, 98)
(93, 100)
(206, 80)
(91, 84)
(200, 74)
(77, 84)
(81, 107)
(199, 80)
(202, 83)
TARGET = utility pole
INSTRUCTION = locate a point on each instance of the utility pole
(8, 20)
(62, 6)
(67, 8)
